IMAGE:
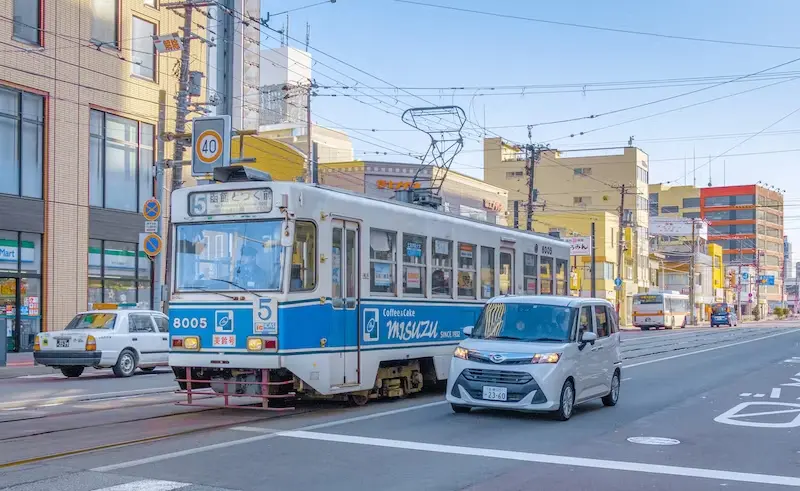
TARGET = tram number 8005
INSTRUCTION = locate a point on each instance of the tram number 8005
(186, 323)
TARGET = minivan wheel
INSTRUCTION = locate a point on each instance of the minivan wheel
(612, 397)
(126, 364)
(72, 372)
(567, 401)
(460, 409)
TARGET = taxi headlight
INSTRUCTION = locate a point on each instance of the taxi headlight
(546, 358)
(255, 344)
(462, 353)
(191, 342)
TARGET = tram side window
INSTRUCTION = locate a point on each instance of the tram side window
(466, 270)
(304, 258)
(442, 267)
(561, 277)
(487, 272)
(530, 273)
(383, 259)
(546, 275)
(414, 274)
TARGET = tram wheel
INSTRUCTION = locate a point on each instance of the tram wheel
(358, 399)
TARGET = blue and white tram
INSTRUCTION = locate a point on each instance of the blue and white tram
(284, 289)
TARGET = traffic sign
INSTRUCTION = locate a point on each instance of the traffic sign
(152, 245)
(745, 276)
(618, 282)
(151, 227)
(210, 144)
(151, 209)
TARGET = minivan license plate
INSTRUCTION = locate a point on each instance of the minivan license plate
(62, 343)
(495, 393)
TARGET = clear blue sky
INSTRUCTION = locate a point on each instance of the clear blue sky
(410, 45)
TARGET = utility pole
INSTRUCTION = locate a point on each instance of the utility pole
(531, 199)
(692, 320)
(758, 283)
(594, 261)
(308, 170)
(739, 287)
(620, 242)
(158, 284)
(182, 98)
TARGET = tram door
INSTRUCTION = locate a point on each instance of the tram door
(345, 257)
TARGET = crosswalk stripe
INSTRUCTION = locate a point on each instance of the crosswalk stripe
(147, 485)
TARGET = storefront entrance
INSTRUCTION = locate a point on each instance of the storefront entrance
(20, 312)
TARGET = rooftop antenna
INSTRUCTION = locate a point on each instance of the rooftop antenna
(709, 171)
(308, 35)
(694, 172)
(287, 30)
(630, 141)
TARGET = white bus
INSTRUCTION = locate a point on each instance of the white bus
(284, 289)
(660, 309)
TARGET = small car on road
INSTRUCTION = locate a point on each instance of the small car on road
(538, 354)
(723, 315)
(120, 339)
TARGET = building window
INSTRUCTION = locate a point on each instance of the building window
(120, 162)
(28, 21)
(642, 175)
(105, 23)
(382, 261)
(487, 272)
(466, 270)
(119, 273)
(581, 200)
(653, 204)
(143, 49)
(691, 214)
(514, 175)
(669, 209)
(151, 3)
(642, 204)
(21, 143)
(744, 199)
(582, 171)
(414, 274)
(530, 273)
(442, 280)
(691, 202)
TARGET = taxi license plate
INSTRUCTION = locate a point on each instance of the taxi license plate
(495, 393)
(62, 343)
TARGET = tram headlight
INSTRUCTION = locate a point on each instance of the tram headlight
(255, 344)
(191, 343)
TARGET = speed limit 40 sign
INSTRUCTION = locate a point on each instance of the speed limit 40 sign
(210, 144)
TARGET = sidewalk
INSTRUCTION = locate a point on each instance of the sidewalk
(20, 365)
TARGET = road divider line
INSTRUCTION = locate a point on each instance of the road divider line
(608, 465)
(147, 485)
(252, 439)
(706, 350)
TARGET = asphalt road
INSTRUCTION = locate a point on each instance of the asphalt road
(725, 401)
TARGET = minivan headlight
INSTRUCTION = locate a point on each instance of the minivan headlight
(462, 353)
(546, 358)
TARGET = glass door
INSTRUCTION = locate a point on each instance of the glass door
(506, 271)
(8, 312)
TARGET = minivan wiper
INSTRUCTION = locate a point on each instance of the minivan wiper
(559, 340)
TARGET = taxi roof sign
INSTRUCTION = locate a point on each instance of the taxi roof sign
(113, 306)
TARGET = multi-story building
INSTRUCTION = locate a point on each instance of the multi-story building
(580, 182)
(674, 201)
(747, 221)
(79, 92)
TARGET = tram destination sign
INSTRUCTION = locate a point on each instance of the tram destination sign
(233, 202)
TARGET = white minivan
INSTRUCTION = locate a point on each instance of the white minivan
(538, 353)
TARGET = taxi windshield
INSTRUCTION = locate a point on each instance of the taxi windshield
(99, 320)
(228, 256)
(525, 322)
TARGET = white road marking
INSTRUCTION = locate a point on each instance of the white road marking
(626, 379)
(253, 429)
(758, 395)
(90, 396)
(551, 459)
(745, 394)
(148, 485)
(776, 393)
(15, 408)
(732, 416)
(217, 446)
(712, 349)
(52, 404)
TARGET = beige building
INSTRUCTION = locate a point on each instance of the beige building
(583, 182)
(79, 92)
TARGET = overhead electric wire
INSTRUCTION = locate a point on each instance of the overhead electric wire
(600, 28)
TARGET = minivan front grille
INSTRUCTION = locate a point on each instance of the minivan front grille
(496, 376)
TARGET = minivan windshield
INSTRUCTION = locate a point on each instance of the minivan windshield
(525, 322)
(719, 308)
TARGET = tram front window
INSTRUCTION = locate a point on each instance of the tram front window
(229, 256)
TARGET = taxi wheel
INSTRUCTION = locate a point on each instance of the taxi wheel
(126, 364)
(72, 372)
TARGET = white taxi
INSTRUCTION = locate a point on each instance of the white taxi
(118, 339)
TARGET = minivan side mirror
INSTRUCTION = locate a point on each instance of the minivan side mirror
(468, 331)
(588, 337)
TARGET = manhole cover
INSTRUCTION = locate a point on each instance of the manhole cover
(653, 440)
